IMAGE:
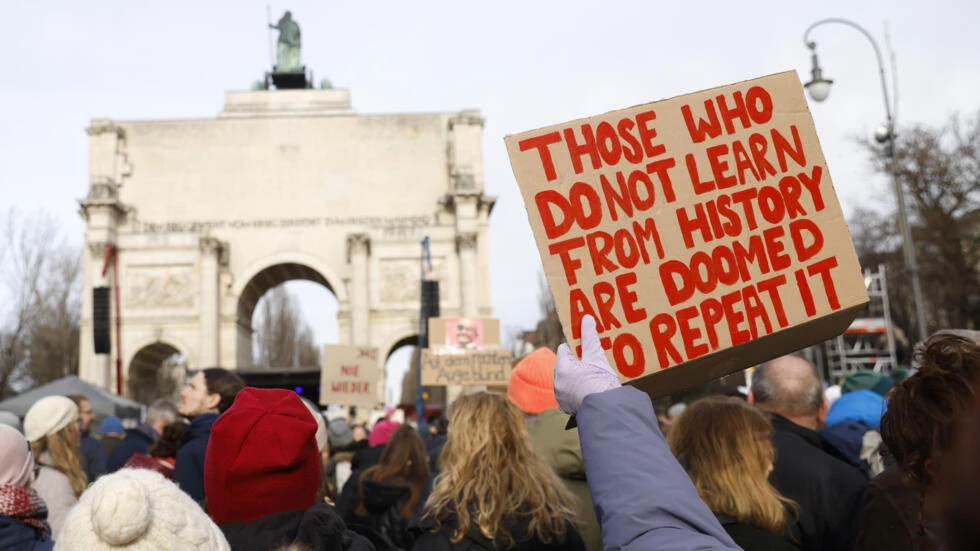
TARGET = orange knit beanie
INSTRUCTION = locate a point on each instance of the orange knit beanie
(532, 382)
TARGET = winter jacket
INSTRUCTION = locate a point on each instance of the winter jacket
(866, 406)
(563, 451)
(642, 496)
(319, 528)
(890, 516)
(827, 488)
(189, 469)
(441, 540)
(94, 457)
(753, 538)
(16, 536)
(383, 502)
(56, 491)
(366, 458)
(137, 440)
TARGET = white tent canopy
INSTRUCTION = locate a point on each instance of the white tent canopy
(103, 402)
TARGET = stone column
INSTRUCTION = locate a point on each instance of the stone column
(97, 369)
(210, 303)
(358, 250)
(468, 306)
(466, 249)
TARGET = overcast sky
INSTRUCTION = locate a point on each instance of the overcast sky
(524, 64)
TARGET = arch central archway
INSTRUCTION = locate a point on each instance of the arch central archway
(156, 371)
(288, 318)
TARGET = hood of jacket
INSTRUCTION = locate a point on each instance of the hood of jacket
(561, 448)
(380, 496)
(319, 528)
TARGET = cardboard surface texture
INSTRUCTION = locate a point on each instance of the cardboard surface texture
(702, 232)
(486, 367)
(350, 375)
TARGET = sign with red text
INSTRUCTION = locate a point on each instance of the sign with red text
(702, 232)
(350, 375)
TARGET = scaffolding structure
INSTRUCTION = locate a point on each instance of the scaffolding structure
(869, 342)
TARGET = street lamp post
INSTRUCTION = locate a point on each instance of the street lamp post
(819, 89)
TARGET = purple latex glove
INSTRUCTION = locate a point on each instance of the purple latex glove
(574, 378)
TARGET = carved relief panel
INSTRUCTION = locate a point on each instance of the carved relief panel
(400, 279)
(156, 287)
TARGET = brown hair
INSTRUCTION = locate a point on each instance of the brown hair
(64, 449)
(403, 461)
(925, 411)
(726, 447)
(224, 383)
(174, 436)
(491, 473)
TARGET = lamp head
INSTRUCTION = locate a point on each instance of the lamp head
(883, 134)
(818, 87)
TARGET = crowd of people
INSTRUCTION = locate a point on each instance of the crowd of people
(566, 459)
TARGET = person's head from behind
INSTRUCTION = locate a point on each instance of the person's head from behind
(160, 414)
(52, 429)
(16, 459)
(173, 436)
(262, 457)
(85, 413)
(358, 433)
(490, 472)
(725, 445)
(403, 461)
(928, 413)
(137, 510)
(790, 386)
(211, 390)
(112, 426)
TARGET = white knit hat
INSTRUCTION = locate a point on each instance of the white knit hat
(321, 425)
(49, 415)
(136, 510)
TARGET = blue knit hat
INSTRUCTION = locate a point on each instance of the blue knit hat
(112, 424)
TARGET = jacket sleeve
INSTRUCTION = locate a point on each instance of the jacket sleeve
(347, 500)
(189, 472)
(642, 496)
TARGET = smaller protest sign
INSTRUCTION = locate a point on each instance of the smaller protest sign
(487, 367)
(350, 375)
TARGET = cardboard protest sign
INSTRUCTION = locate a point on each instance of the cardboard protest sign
(487, 367)
(463, 334)
(350, 375)
(702, 232)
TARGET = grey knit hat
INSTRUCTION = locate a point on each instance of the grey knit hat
(340, 434)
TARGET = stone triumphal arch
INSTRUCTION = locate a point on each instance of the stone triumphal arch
(207, 215)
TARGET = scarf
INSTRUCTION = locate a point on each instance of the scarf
(25, 506)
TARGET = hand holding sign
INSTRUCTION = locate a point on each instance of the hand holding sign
(574, 378)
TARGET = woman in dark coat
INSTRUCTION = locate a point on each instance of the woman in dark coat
(494, 491)
(725, 445)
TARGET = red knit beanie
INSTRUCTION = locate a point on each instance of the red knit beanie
(532, 382)
(262, 457)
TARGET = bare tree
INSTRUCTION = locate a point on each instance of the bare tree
(282, 337)
(939, 168)
(548, 331)
(39, 321)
